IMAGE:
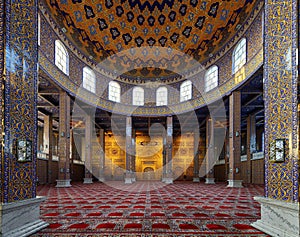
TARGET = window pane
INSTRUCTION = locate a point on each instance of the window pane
(138, 96)
(89, 80)
(61, 57)
(239, 56)
(211, 78)
(114, 91)
(161, 96)
(185, 91)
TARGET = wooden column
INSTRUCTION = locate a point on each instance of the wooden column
(226, 147)
(169, 151)
(88, 179)
(128, 172)
(48, 144)
(64, 141)
(102, 154)
(210, 152)
(280, 206)
(234, 179)
(133, 157)
(251, 145)
(164, 157)
(196, 157)
(46, 134)
(55, 144)
(73, 149)
(252, 127)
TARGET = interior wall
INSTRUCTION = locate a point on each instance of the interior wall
(220, 173)
(42, 172)
(183, 157)
(245, 171)
(77, 173)
(254, 172)
(149, 157)
(42, 166)
(114, 157)
(40, 138)
(258, 171)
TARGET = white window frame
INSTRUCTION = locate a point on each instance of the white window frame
(162, 96)
(138, 96)
(211, 78)
(185, 91)
(89, 79)
(239, 56)
(114, 91)
(61, 57)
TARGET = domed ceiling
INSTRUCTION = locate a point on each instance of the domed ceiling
(200, 29)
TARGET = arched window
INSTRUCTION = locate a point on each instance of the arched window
(186, 91)
(239, 55)
(161, 96)
(61, 57)
(89, 79)
(114, 91)
(138, 96)
(211, 78)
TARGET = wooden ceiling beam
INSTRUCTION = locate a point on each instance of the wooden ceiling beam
(252, 100)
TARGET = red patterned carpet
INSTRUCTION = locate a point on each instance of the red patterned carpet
(150, 209)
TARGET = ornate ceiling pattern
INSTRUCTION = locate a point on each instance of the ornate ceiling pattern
(196, 28)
